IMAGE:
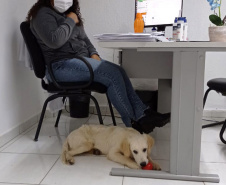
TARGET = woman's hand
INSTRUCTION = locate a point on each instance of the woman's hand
(95, 56)
(73, 16)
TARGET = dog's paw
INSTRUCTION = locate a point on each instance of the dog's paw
(70, 161)
(133, 166)
(156, 166)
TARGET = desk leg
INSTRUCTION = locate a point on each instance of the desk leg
(186, 114)
(186, 107)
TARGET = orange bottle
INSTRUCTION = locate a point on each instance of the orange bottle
(139, 23)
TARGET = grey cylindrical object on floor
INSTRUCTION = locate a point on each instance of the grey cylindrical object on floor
(163, 175)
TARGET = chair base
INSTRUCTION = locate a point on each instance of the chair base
(217, 123)
(64, 95)
(221, 131)
(213, 124)
(59, 114)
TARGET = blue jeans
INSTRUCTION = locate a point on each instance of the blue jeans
(119, 87)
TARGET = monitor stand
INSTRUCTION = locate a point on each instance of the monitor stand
(161, 28)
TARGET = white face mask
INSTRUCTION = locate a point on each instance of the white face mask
(62, 5)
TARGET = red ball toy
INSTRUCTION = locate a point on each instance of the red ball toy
(148, 167)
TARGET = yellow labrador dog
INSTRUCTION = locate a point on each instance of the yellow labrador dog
(122, 145)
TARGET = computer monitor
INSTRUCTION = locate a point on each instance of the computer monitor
(159, 13)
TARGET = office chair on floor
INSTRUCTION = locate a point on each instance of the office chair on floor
(218, 85)
(60, 89)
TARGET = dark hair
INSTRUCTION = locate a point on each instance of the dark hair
(47, 3)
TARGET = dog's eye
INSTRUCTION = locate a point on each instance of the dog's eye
(145, 149)
(135, 152)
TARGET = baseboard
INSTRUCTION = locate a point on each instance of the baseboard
(14, 132)
(104, 109)
(214, 113)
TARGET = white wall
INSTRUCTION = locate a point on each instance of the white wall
(198, 15)
(21, 96)
(107, 16)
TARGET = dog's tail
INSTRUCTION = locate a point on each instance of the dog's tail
(66, 158)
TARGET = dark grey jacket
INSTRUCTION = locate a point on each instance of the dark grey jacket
(59, 37)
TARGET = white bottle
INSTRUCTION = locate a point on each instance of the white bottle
(180, 29)
(185, 29)
(175, 35)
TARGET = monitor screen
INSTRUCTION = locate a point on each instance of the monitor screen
(159, 12)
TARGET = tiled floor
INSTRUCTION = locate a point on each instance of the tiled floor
(23, 161)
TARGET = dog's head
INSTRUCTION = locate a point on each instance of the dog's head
(138, 148)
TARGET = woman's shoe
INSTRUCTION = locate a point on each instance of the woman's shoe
(147, 123)
(137, 126)
(161, 119)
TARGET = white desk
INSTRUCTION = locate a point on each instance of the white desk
(188, 65)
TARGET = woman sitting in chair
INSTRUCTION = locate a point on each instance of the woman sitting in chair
(58, 27)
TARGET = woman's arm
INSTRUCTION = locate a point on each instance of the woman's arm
(47, 28)
(95, 56)
(92, 50)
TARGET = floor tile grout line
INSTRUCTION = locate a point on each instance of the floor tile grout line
(16, 138)
(9, 183)
(21, 135)
(48, 135)
(27, 153)
(213, 162)
(221, 144)
(49, 170)
(29, 129)
(9, 142)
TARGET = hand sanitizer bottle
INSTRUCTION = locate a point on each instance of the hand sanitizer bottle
(139, 23)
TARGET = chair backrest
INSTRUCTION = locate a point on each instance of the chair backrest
(34, 50)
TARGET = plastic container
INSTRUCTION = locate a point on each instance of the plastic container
(79, 106)
(139, 23)
(180, 20)
(180, 29)
(175, 35)
(185, 30)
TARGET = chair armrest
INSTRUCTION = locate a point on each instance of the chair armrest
(85, 85)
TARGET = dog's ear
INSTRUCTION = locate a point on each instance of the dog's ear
(150, 142)
(125, 148)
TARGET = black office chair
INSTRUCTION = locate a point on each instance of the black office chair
(218, 85)
(65, 89)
